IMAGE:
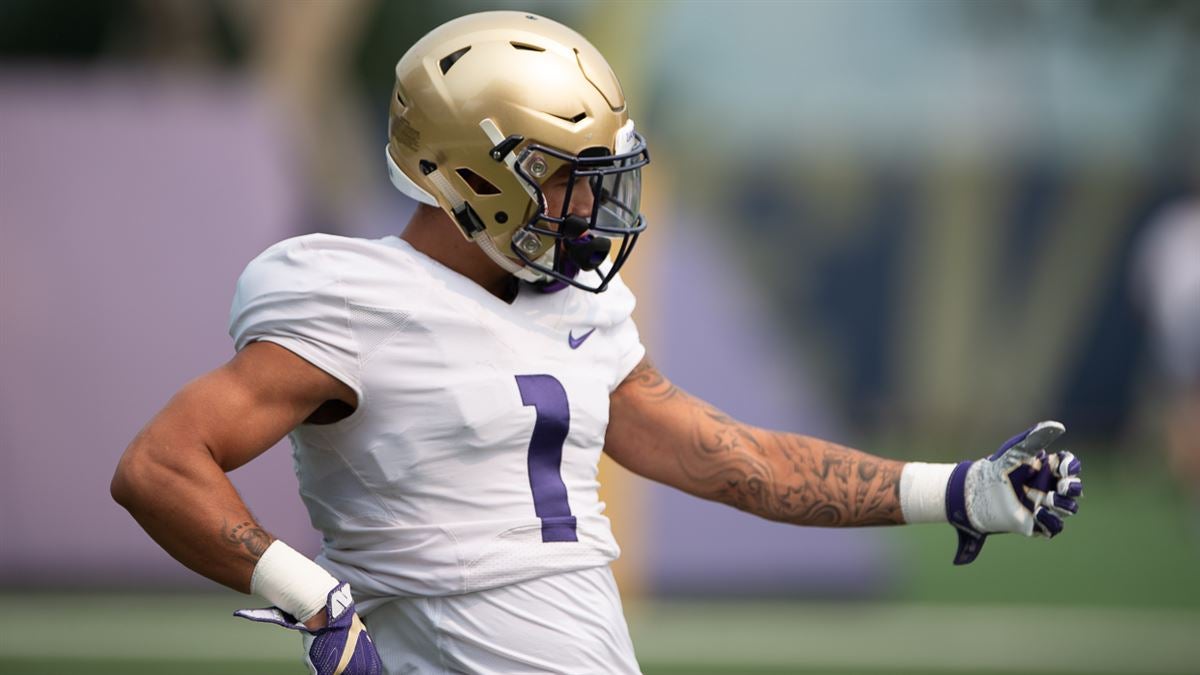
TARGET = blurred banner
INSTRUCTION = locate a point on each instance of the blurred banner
(130, 206)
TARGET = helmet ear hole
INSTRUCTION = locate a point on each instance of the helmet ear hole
(481, 186)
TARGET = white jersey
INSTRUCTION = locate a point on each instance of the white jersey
(471, 459)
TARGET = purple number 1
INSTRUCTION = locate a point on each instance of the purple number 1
(549, 400)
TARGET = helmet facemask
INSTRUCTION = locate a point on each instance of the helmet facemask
(582, 243)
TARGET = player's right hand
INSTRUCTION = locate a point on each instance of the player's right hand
(341, 647)
(1020, 488)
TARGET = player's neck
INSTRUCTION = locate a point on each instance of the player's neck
(431, 232)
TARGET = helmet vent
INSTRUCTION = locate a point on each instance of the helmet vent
(573, 120)
(481, 186)
(449, 60)
(525, 46)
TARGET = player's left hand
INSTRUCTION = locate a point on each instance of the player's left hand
(341, 647)
(1019, 488)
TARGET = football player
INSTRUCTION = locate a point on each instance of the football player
(448, 393)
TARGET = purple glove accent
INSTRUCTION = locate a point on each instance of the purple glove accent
(1067, 469)
(1048, 523)
(1018, 478)
(329, 643)
(970, 540)
(1073, 468)
(1044, 479)
(1065, 503)
(1010, 443)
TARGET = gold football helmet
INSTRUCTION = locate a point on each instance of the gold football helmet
(486, 109)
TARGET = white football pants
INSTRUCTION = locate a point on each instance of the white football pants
(564, 623)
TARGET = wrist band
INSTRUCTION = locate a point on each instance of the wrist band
(923, 492)
(291, 581)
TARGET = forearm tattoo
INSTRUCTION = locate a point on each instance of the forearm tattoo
(651, 383)
(250, 540)
(780, 476)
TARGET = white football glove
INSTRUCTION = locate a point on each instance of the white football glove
(342, 647)
(1019, 488)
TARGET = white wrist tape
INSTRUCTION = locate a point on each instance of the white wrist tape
(923, 492)
(291, 581)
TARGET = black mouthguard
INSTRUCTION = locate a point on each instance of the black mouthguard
(588, 252)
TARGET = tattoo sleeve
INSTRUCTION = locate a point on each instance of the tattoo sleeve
(780, 476)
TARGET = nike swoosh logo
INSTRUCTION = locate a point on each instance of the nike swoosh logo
(576, 341)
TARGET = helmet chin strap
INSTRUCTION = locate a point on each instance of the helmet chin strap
(481, 238)
(408, 187)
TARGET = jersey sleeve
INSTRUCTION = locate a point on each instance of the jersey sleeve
(626, 339)
(291, 295)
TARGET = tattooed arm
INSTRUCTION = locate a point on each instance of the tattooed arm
(172, 476)
(661, 432)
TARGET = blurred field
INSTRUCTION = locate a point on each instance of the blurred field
(178, 634)
(1118, 593)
